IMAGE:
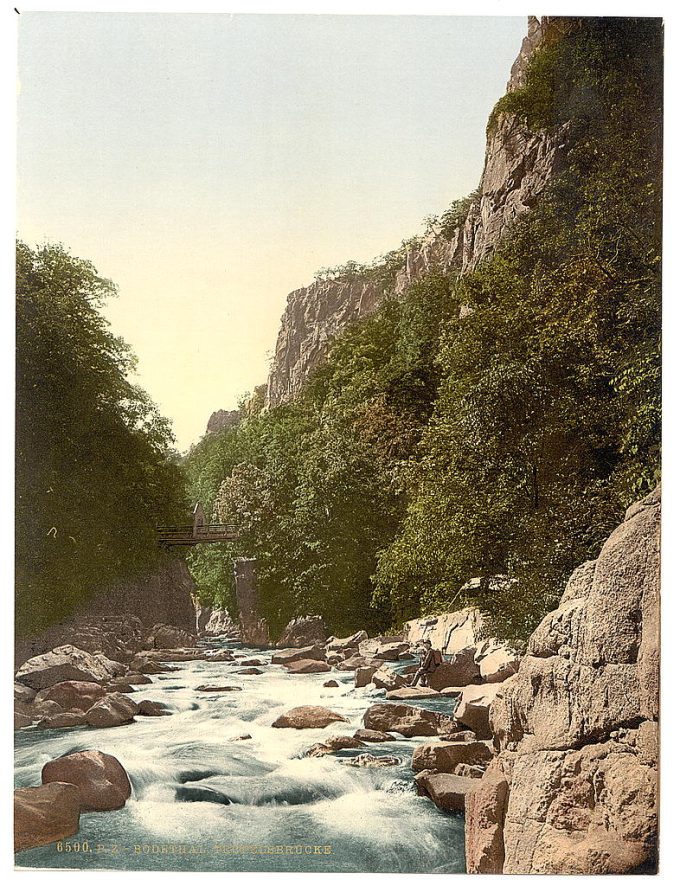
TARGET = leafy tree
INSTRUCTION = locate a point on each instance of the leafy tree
(95, 472)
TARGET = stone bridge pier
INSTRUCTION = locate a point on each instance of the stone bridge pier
(254, 628)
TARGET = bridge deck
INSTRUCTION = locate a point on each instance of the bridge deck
(170, 536)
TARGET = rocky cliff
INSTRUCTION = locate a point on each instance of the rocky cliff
(518, 165)
(163, 596)
(574, 788)
(222, 418)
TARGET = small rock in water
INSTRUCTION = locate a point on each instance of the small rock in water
(307, 717)
(331, 684)
(373, 735)
(370, 760)
(244, 737)
(148, 708)
(219, 688)
(249, 671)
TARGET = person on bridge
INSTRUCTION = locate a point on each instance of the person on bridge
(430, 659)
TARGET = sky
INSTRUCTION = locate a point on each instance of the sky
(210, 163)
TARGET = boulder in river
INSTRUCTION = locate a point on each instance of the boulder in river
(72, 695)
(386, 677)
(115, 709)
(304, 630)
(308, 717)
(406, 720)
(461, 670)
(249, 672)
(219, 655)
(101, 779)
(389, 651)
(372, 761)
(169, 637)
(444, 756)
(307, 666)
(286, 656)
(373, 735)
(352, 663)
(445, 790)
(140, 664)
(45, 814)
(62, 664)
(64, 720)
(333, 744)
(337, 644)
(148, 708)
(21, 721)
(473, 708)
(206, 688)
(412, 692)
(364, 676)
(133, 679)
(331, 684)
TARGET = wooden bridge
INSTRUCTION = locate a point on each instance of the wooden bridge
(197, 533)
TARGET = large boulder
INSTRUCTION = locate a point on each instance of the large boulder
(62, 664)
(115, 709)
(352, 663)
(474, 705)
(45, 814)
(411, 692)
(460, 670)
(445, 790)
(307, 717)
(72, 695)
(337, 644)
(65, 720)
(407, 720)
(576, 727)
(444, 756)
(388, 651)
(286, 656)
(497, 660)
(373, 735)
(23, 694)
(307, 630)
(169, 637)
(307, 666)
(450, 632)
(101, 779)
(387, 678)
(364, 676)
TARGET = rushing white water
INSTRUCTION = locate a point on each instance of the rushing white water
(203, 801)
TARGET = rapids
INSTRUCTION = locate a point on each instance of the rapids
(203, 801)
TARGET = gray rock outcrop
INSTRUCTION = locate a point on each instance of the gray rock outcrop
(574, 788)
(519, 164)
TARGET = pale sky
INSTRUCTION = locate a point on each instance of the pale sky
(209, 164)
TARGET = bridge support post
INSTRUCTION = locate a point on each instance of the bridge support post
(254, 628)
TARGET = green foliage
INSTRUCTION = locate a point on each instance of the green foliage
(94, 469)
(428, 449)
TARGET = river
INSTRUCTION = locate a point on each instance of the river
(202, 801)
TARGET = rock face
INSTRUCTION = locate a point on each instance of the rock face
(219, 624)
(221, 419)
(307, 630)
(518, 166)
(45, 814)
(160, 596)
(574, 788)
(102, 781)
(451, 632)
(254, 628)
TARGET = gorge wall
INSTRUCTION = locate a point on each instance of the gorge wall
(574, 788)
(162, 596)
(518, 165)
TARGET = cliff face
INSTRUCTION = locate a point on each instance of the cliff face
(574, 788)
(518, 165)
(164, 596)
(222, 418)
